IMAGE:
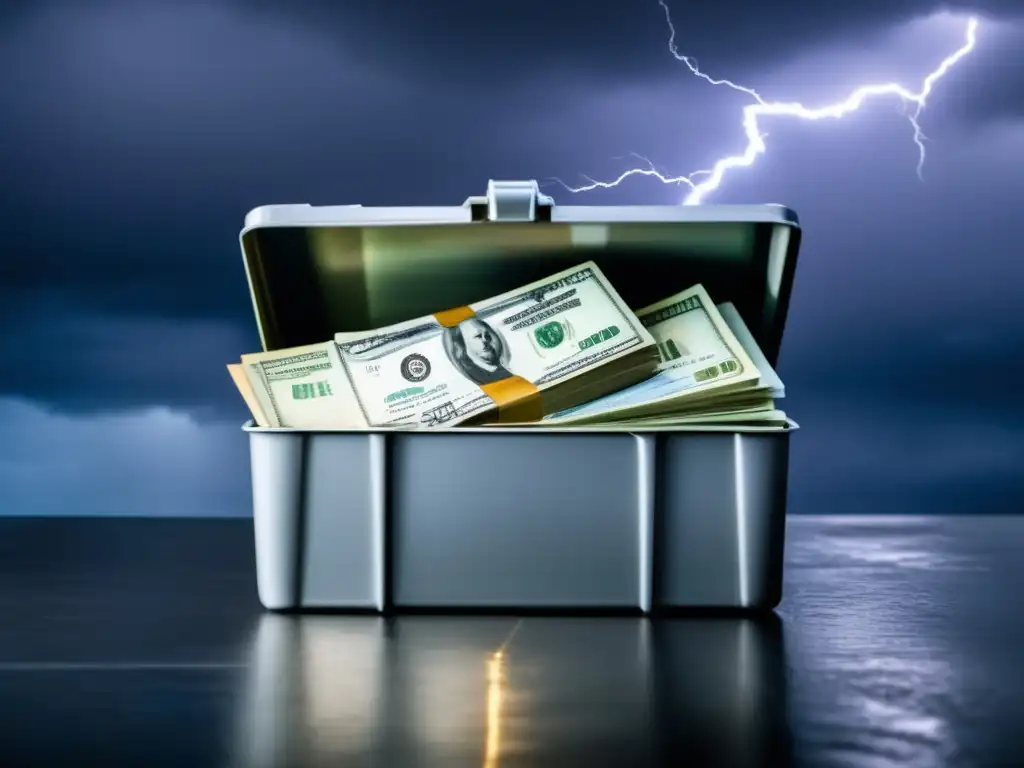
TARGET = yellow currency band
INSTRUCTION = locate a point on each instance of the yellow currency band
(517, 399)
(452, 317)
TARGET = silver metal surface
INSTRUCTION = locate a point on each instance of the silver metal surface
(318, 514)
(511, 200)
(507, 520)
(564, 519)
(722, 524)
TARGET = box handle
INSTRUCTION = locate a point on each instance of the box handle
(511, 201)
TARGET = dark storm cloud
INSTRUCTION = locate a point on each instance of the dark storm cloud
(153, 463)
(81, 363)
(493, 42)
(615, 39)
(129, 164)
(857, 458)
(924, 370)
(133, 144)
(1000, 65)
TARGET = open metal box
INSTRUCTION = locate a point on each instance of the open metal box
(504, 518)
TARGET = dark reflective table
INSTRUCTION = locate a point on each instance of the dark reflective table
(141, 643)
(438, 691)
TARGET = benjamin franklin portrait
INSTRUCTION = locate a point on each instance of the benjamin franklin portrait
(478, 351)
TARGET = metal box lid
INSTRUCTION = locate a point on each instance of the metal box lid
(317, 270)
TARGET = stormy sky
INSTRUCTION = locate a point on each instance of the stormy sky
(134, 137)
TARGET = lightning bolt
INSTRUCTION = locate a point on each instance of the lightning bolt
(712, 178)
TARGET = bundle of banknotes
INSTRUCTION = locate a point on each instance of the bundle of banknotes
(564, 351)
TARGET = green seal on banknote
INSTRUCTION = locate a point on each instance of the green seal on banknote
(549, 335)
(414, 367)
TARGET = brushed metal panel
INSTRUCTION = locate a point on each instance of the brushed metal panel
(515, 520)
(277, 462)
(720, 520)
(342, 557)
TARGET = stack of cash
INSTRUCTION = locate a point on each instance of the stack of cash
(561, 352)
(712, 371)
(541, 349)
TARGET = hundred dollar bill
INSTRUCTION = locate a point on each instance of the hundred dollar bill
(248, 395)
(769, 378)
(699, 354)
(303, 387)
(566, 337)
(746, 416)
(761, 415)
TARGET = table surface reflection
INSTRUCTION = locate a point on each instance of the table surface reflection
(140, 642)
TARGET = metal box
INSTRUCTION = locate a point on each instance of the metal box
(502, 518)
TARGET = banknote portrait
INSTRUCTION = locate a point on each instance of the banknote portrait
(478, 351)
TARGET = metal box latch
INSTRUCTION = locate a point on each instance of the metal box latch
(511, 201)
